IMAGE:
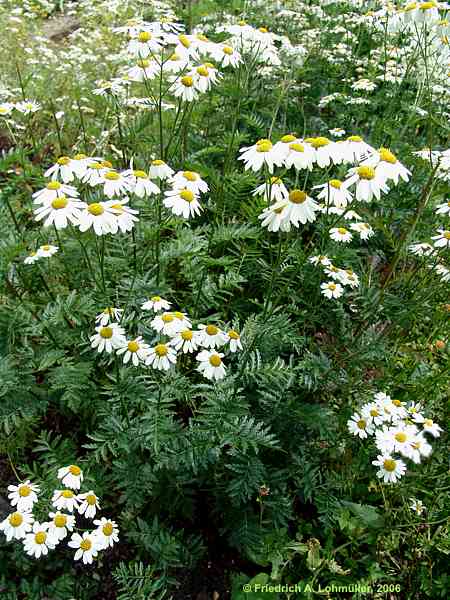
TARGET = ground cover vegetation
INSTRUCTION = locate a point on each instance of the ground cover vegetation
(224, 262)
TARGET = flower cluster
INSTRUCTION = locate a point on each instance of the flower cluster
(38, 537)
(25, 107)
(175, 335)
(399, 432)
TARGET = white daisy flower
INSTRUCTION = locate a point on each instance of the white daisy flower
(227, 56)
(79, 164)
(387, 166)
(430, 427)
(125, 216)
(156, 303)
(373, 413)
(160, 170)
(442, 239)
(421, 249)
(39, 541)
(189, 180)
(23, 496)
(211, 336)
(360, 426)
(417, 506)
(71, 476)
(300, 208)
(65, 500)
(107, 533)
(140, 183)
(276, 218)
(52, 191)
(6, 109)
(135, 350)
(369, 183)
(337, 132)
(443, 272)
(185, 340)
(87, 546)
(211, 365)
(364, 229)
(324, 151)
(340, 234)
(390, 469)
(420, 448)
(403, 438)
(27, 106)
(60, 525)
(32, 258)
(282, 146)
(161, 357)
(114, 183)
(348, 277)
(204, 77)
(143, 70)
(93, 172)
(108, 338)
(166, 324)
(109, 314)
(300, 156)
(234, 340)
(321, 260)
(63, 169)
(60, 212)
(89, 504)
(261, 153)
(176, 63)
(334, 192)
(143, 44)
(182, 202)
(354, 149)
(183, 87)
(47, 250)
(332, 290)
(100, 216)
(16, 525)
(443, 209)
(273, 190)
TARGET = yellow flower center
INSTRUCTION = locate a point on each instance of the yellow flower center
(332, 287)
(60, 520)
(106, 333)
(215, 360)
(319, 142)
(342, 230)
(389, 464)
(143, 63)
(46, 247)
(212, 330)
(366, 172)
(107, 529)
(202, 37)
(91, 499)
(275, 180)
(53, 185)
(187, 195)
(187, 81)
(59, 203)
(374, 413)
(24, 491)
(118, 207)
(40, 537)
(140, 174)
(297, 196)
(401, 437)
(427, 5)
(184, 40)
(158, 162)
(74, 470)
(178, 315)
(361, 424)
(264, 146)
(203, 71)
(95, 166)
(209, 65)
(16, 519)
(336, 183)
(67, 494)
(428, 422)
(446, 234)
(144, 36)
(96, 209)
(387, 156)
(355, 138)
(190, 175)
(133, 346)
(233, 334)
(79, 156)
(86, 545)
(63, 160)
(155, 298)
(396, 403)
(263, 30)
(228, 50)
(287, 139)
(112, 175)
(187, 335)
(106, 164)
(167, 317)
(161, 350)
(297, 147)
